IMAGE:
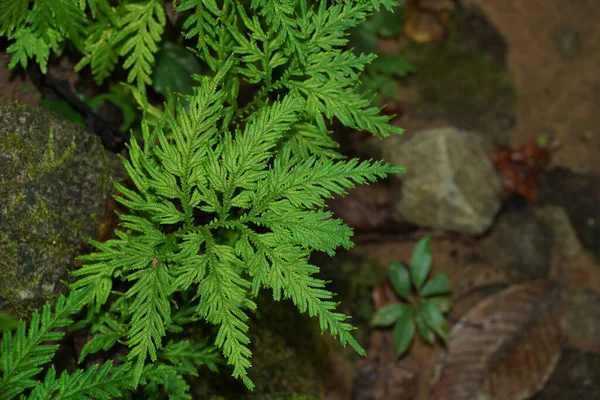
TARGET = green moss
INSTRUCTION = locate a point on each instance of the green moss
(353, 278)
(459, 80)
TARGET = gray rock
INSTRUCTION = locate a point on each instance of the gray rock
(450, 182)
(579, 195)
(54, 180)
(556, 221)
(521, 241)
(581, 319)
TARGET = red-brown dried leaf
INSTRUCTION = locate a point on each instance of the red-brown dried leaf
(504, 348)
(520, 168)
(384, 294)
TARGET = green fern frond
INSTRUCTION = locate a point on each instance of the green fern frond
(94, 6)
(23, 354)
(210, 24)
(28, 44)
(280, 16)
(102, 383)
(99, 50)
(107, 332)
(140, 30)
(325, 99)
(187, 357)
(304, 140)
(39, 29)
(224, 295)
(243, 182)
(12, 16)
(223, 213)
(127, 252)
(70, 20)
(151, 313)
(160, 376)
(327, 26)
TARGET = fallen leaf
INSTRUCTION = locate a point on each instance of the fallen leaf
(504, 348)
(384, 294)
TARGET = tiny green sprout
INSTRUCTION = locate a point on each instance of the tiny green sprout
(542, 139)
(424, 302)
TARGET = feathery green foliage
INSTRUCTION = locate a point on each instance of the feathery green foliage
(40, 29)
(24, 353)
(105, 382)
(229, 190)
(271, 203)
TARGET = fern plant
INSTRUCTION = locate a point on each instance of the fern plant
(265, 213)
(228, 196)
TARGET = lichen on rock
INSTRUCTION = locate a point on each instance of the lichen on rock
(54, 180)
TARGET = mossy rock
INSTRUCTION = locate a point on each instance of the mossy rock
(54, 180)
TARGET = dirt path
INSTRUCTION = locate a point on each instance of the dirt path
(554, 60)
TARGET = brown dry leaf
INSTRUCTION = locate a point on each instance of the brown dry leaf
(506, 347)
(384, 294)
(474, 277)
(472, 283)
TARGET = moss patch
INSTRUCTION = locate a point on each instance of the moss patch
(459, 81)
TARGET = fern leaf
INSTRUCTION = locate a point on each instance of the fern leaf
(173, 384)
(106, 382)
(151, 313)
(304, 140)
(223, 294)
(211, 25)
(12, 16)
(127, 252)
(99, 51)
(281, 18)
(244, 209)
(141, 28)
(23, 354)
(325, 98)
(187, 357)
(106, 334)
(70, 19)
(28, 44)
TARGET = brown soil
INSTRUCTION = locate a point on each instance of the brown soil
(554, 60)
(16, 86)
